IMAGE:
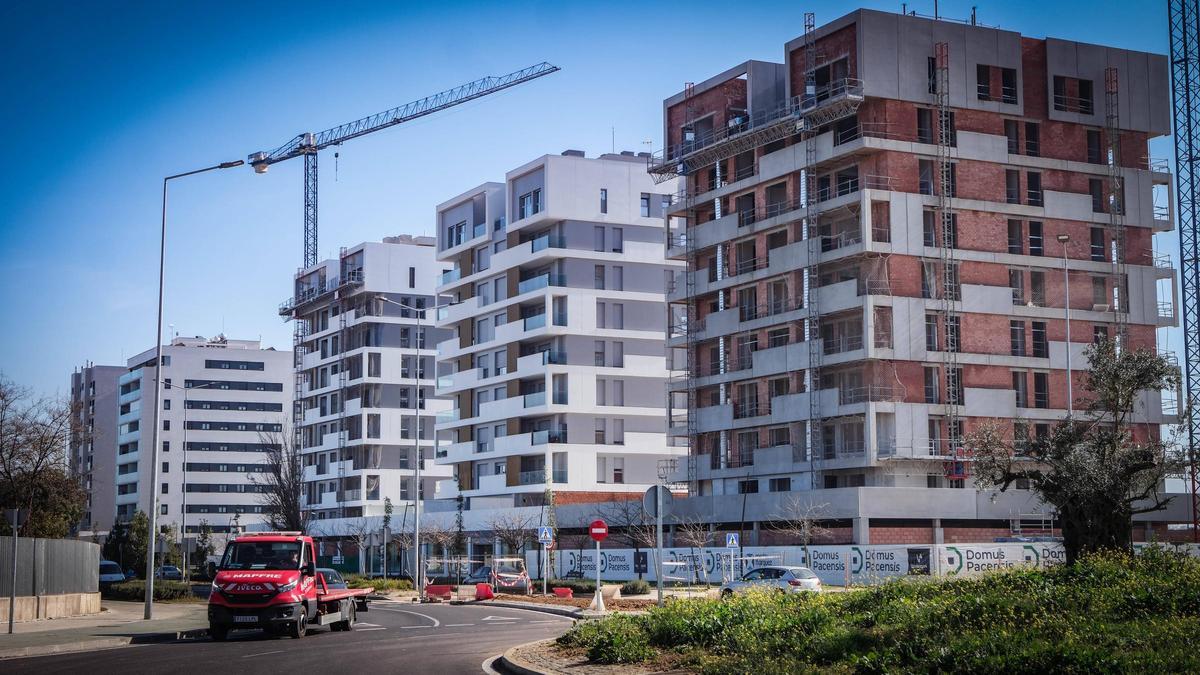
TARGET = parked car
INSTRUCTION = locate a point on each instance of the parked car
(785, 579)
(333, 578)
(168, 573)
(110, 573)
(483, 575)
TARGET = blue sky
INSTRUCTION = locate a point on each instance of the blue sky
(102, 100)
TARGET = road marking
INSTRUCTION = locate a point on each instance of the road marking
(364, 630)
(436, 623)
(247, 656)
(454, 625)
(549, 621)
(412, 627)
(500, 618)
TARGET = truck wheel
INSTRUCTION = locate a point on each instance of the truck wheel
(218, 632)
(299, 628)
(351, 614)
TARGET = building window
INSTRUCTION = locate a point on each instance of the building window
(1037, 288)
(1094, 153)
(598, 282)
(1099, 291)
(166, 404)
(925, 125)
(983, 82)
(931, 385)
(931, 333)
(929, 228)
(645, 205)
(530, 203)
(1012, 186)
(618, 240)
(1096, 189)
(1016, 282)
(1073, 95)
(1035, 238)
(1099, 333)
(1020, 388)
(1016, 337)
(1097, 244)
(748, 487)
(603, 200)
(1016, 238)
(780, 484)
(165, 487)
(925, 176)
(618, 278)
(1033, 139)
(1041, 390)
(599, 361)
(598, 231)
(1012, 133)
(1041, 345)
(412, 277)
(931, 73)
(166, 425)
(1033, 181)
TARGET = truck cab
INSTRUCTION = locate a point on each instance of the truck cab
(268, 580)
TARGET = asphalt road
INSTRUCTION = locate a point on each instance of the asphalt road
(392, 637)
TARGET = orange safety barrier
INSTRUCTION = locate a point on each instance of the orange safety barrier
(564, 592)
(483, 592)
(443, 591)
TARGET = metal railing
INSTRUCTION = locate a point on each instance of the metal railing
(1075, 104)
(534, 322)
(839, 344)
(1166, 309)
(545, 436)
(541, 281)
(547, 241)
(535, 399)
(874, 392)
(538, 476)
(556, 357)
(743, 409)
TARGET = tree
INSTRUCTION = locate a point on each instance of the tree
(116, 544)
(138, 542)
(694, 533)
(513, 530)
(282, 483)
(203, 546)
(1094, 470)
(34, 473)
(359, 531)
(460, 534)
(800, 520)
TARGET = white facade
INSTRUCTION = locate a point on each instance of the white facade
(366, 377)
(93, 448)
(223, 402)
(556, 355)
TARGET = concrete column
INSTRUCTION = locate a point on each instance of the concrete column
(939, 535)
(754, 532)
(862, 530)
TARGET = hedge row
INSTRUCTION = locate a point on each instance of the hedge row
(136, 591)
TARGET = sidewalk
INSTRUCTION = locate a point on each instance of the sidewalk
(119, 624)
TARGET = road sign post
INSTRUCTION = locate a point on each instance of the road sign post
(598, 531)
(546, 537)
(16, 518)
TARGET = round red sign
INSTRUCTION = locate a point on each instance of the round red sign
(598, 530)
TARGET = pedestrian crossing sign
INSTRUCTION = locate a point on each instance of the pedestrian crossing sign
(731, 540)
(545, 534)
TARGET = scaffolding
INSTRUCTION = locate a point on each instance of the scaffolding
(1184, 26)
(812, 273)
(1114, 204)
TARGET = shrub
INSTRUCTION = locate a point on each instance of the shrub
(379, 584)
(135, 591)
(619, 638)
(635, 587)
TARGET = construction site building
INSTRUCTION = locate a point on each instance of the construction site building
(876, 234)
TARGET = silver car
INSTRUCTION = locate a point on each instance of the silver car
(785, 579)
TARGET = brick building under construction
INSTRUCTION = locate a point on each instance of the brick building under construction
(881, 234)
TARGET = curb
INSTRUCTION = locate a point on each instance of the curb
(102, 643)
(571, 613)
(510, 663)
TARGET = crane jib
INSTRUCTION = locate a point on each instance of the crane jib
(304, 144)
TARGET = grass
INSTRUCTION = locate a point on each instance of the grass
(1108, 613)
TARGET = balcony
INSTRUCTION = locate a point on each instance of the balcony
(838, 344)
(541, 281)
(548, 436)
(547, 241)
(450, 276)
(539, 476)
(535, 399)
(534, 322)
(874, 392)
(311, 292)
(451, 415)
(556, 357)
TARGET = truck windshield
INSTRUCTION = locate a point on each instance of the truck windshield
(261, 555)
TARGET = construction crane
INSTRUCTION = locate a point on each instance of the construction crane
(307, 145)
(1183, 17)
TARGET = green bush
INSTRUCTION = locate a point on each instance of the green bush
(135, 591)
(579, 586)
(1107, 613)
(379, 584)
(635, 587)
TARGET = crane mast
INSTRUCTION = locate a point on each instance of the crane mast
(309, 144)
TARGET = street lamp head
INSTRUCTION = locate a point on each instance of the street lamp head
(230, 165)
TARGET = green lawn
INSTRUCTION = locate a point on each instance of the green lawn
(1108, 613)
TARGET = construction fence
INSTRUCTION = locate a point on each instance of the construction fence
(50, 566)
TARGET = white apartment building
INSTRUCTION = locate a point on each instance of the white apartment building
(366, 378)
(93, 447)
(223, 403)
(555, 356)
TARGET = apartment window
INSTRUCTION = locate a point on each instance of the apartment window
(166, 425)
(618, 355)
(777, 337)
(931, 333)
(983, 82)
(1099, 291)
(166, 446)
(559, 306)
(1099, 333)
(166, 404)
(1033, 181)
(1095, 154)
(1016, 238)
(1033, 139)
(1016, 282)
(778, 387)
(1012, 133)
(929, 228)
(1096, 189)
(618, 240)
(780, 484)
(1035, 238)
(925, 176)
(1041, 345)
(599, 236)
(928, 278)
(1037, 288)
(1073, 95)
(600, 392)
(931, 73)
(925, 125)
(599, 361)
(603, 200)
(599, 435)
(645, 205)
(600, 313)
(1012, 186)
(599, 277)
(747, 487)
(412, 277)
(618, 387)
(1016, 337)
(931, 384)
(618, 316)
(618, 278)
(1098, 244)
(1041, 390)
(1020, 388)
(618, 432)
(530, 203)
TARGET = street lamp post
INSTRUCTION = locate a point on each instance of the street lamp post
(1064, 239)
(158, 365)
(418, 570)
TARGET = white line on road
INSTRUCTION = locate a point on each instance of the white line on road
(412, 627)
(247, 656)
(364, 630)
(436, 623)
(453, 625)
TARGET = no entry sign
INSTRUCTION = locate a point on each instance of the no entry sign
(598, 530)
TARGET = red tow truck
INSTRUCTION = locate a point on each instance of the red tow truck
(269, 580)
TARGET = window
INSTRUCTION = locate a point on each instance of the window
(931, 385)
(983, 82)
(618, 278)
(600, 313)
(165, 488)
(1012, 186)
(599, 435)
(1020, 388)
(931, 333)
(1041, 345)
(925, 176)
(618, 316)
(925, 126)
(748, 487)
(1098, 246)
(599, 361)
(1041, 390)
(1035, 238)
(618, 240)
(1016, 337)
(928, 278)
(1037, 288)
(1099, 333)
(600, 389)
(618, 432)
(778, 387)
(603, 200)
(233, 365)
(1016, 282)
(1008, 85)
(412, 277)
(1033, 139)
(618, 355)
(1094, 153)
(166, 425)
(166, 404)
(1012, 133)
(618, 387)
(599, 235)
(780, 484)
(1096, 189)
(166, 446)
(618, 469)
(929, 228)
(931, 73)
(1016, 239)
(645, 205)
(1073, 95)
(1033, 181)
(529, 203)
(1099, 291)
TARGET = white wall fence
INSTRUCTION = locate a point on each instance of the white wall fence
(835, 565)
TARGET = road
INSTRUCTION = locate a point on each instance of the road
(392, 637)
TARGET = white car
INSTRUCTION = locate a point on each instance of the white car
(110, 573)
(785, 579)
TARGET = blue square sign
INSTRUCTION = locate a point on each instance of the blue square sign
(545, 534)
(731, 540)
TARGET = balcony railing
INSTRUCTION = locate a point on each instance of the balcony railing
(535, 399)
(556, 357)
(478, 230)
(541, 281)
(539, 476)
(548, 241)
(838, 344)
(1075, 104)
(548, 436)
(450, 276)
(451, 415)
(751, 408)
(534, 322)
(874, 392)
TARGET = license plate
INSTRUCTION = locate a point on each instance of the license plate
(245, 619)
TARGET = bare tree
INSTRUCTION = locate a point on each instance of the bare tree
(694, 533)
(359, 531)
(282, 483)
(633, 526)
(800, 520)
(34, 472)
(438, 536)
(1093, 469)
(513, 530)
